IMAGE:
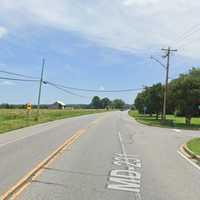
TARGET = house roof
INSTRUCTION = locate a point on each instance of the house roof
(60, 102)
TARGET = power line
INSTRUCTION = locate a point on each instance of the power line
(16, 79)
(72, 88)
(17, 74)
(99, 91)
(185, 38)
(185, 44)
(187, 33)
(63, 86)
(66, 91)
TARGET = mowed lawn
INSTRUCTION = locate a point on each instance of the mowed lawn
(172, 121)
(11, 119)
(194, 146)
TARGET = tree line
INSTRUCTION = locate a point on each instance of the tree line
(96, 103)
(183, 97)
(106, 103)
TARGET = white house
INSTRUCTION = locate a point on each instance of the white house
(57, 105)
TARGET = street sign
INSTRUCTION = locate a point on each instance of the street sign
(29, 106)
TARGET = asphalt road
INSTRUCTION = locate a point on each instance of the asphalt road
(116, 158)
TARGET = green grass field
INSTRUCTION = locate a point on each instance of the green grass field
(172, 121)
(194, 145)
(11, 119)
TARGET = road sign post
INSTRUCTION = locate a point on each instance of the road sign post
(28, 111)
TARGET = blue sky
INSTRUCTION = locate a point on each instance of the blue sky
(96, 46)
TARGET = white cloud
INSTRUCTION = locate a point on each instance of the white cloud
(130, 25)
(3, 31)
(139, 2)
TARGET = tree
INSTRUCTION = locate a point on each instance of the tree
(132, 107)
(151, 98)
(185, 93)
(140, 101)
(118, 104)
(105, 103)
(96, 103)
(155, 99)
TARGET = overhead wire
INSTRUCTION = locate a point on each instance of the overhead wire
(99, 91)
(188, 32)
(66, 91)
(17, 74)
(63, 87)
(184, 38)
(17, 79)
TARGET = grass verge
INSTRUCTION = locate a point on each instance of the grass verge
(12, 119)
(194, 146)
(171, 122)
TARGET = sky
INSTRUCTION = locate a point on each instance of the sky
(101, 45)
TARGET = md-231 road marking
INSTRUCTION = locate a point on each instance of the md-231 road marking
(127, 178)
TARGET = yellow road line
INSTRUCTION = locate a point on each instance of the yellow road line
(26, 180)
(23, 183)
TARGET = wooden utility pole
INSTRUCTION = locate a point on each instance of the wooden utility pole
(168, 54)
(40, 89)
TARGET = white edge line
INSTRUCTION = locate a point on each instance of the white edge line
(191, 162)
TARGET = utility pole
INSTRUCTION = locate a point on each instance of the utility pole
(168, 54)
(40, 89)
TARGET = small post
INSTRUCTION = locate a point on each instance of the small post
(28, 111)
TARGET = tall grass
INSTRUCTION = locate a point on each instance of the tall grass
(11, 119)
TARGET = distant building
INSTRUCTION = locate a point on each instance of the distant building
(57, 105)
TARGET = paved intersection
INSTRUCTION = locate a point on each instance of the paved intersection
(115, 158)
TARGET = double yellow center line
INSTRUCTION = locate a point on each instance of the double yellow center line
(12, 193)
(23, 183)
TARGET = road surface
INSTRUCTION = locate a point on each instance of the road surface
(114, 157)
